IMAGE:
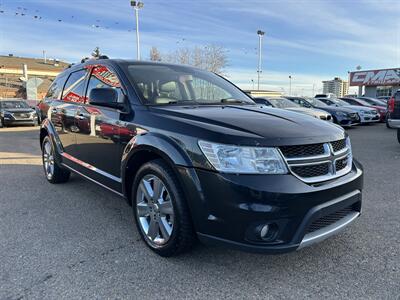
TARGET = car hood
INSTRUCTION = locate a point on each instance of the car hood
(334, 109)
(246, 125)
(309, 111)
(360, 108)
(18, 110)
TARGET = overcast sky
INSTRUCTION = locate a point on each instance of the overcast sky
(309, 40)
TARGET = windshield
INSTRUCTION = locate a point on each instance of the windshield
(373, 101)
(282, 103)
(170, 84)
(342, 103)
(363, 102)
(13, 104)
(316, 102)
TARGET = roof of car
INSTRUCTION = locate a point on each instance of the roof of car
(125, 62)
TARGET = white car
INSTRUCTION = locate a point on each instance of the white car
(367, 114)
(284, 103)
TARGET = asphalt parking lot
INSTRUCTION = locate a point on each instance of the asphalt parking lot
(77, 240)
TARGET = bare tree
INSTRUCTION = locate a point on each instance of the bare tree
(211, 57)
(155, 55)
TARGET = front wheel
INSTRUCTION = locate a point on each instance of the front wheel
(54, 173)
(1, 123)
(160, 209)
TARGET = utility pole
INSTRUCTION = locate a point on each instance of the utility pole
(260, 36)
(44, 56)
(136, 6)
(252, 81)
(290, 85)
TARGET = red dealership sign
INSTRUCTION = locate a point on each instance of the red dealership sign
(375, 77)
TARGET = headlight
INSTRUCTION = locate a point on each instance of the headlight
(341, 114)
(7, 114)
(33, 114)
(363, 112)
(244, 160)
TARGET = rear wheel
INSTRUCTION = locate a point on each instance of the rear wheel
(160, 209)
(54, 173)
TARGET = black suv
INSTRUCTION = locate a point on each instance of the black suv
(196, 158)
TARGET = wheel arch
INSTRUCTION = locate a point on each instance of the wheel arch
(144, 148)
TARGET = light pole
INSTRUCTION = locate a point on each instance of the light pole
(290, 85)
(136, 6)
(252, 81)
(260, 36)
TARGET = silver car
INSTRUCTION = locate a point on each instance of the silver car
(284, 103)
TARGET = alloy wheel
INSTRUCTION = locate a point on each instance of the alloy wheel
(48, 160)
(154, 209)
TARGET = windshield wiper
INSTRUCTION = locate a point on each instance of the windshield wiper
(232, 100)
(182, 102)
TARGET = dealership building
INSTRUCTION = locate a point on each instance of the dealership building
(375, 83)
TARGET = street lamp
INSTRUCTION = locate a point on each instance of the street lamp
(260, 36)
(290, 85)
(136, 6)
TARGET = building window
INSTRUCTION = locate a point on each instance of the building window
(383, 91)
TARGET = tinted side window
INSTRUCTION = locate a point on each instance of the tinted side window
(74, 88)
(103, 77)
(55, 89)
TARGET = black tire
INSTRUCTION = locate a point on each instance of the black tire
(398, 135)
(1, 123)
(183, 236)
(387, 121)
(59, 175)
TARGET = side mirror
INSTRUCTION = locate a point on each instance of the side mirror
(107, 97)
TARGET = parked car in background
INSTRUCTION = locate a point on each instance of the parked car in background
(367, 114)
(342, 116)
(289, 105)
(200, 158)
(373, 101)
(327, 95)
(16, 112)
(361, 102)
(384, 98)
(394, 117)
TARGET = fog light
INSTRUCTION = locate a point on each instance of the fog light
(264, 231)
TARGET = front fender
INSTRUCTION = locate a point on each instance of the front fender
(158, 144)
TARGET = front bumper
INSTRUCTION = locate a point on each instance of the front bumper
(13, 121)
(369, 118)
(349, 120)
(394, 123)
(228, 209)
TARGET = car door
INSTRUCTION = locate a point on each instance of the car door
(62, 111)
(99, 139)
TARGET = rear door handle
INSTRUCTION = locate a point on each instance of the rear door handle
(80, 116)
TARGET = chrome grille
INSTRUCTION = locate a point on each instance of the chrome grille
(303, 150)
(311, 170)
(340, 164)
(318, 162)
(338, 145)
